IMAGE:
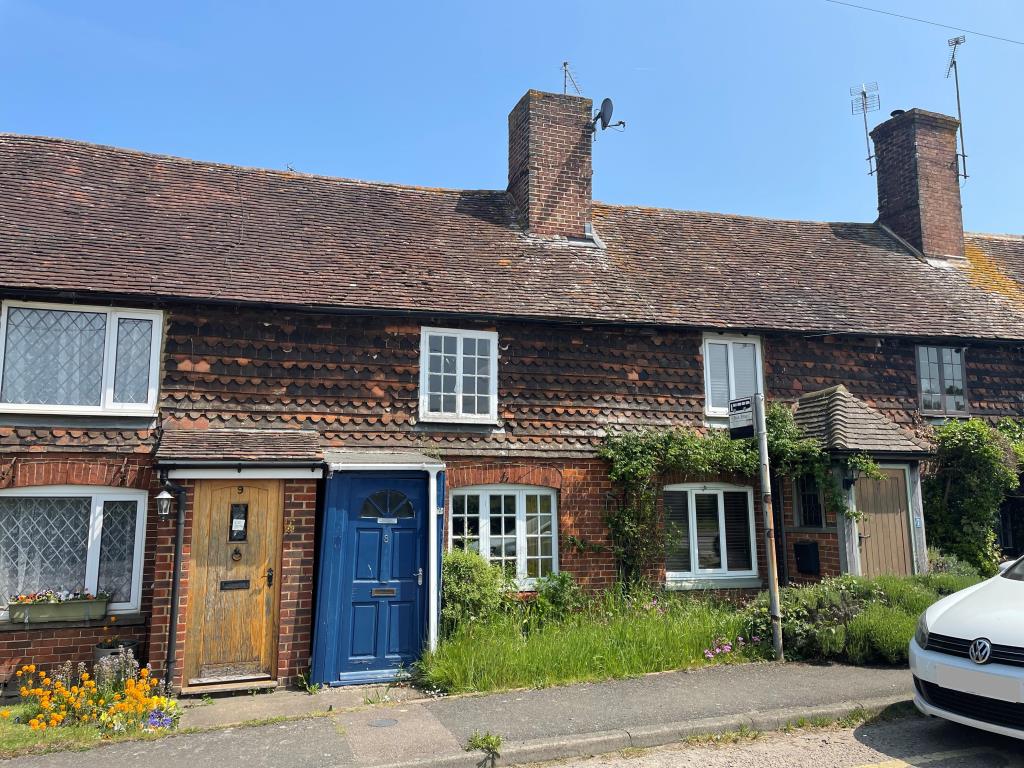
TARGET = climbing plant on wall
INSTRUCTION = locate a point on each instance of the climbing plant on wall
(639, 462)
(975, 466)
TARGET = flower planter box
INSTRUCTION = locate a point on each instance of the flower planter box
(72, 610)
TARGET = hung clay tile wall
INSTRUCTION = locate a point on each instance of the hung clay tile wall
(356, 379)
(883, 373)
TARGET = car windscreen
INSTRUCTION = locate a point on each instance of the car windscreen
(1015, 571)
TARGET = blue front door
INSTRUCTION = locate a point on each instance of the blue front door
(370, 595)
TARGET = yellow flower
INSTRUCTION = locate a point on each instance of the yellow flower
(5, 713)
(31, 667)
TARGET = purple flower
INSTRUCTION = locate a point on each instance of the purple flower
(160, 719)
(756, 638)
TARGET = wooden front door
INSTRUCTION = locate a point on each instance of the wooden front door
(234, 579)
(885, 543)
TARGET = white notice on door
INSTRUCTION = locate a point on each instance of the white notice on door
(238, 524)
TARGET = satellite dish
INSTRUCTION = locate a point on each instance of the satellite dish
(605, 113)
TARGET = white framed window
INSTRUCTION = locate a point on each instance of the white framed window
(81, 360)
(732, 369)
(940, 375)
(515, 526)
(458, 375)
(73, 537)
(712, 527)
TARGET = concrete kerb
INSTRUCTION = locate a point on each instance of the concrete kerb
(588, 744)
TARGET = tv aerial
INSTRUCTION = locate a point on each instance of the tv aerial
(954, 43)
(604, 117)
(866, 99)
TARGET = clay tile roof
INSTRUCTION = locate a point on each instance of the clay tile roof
(242, 445)
(100, 221)
(847, 425)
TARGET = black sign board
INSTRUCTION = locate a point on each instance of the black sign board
(741, 418)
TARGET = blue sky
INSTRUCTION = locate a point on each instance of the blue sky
(735, 105)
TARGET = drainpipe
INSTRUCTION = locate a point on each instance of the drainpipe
(179, 545)
(432, 559)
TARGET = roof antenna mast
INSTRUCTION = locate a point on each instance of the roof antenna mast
(865, 99)
(954, 43)
(568, 78)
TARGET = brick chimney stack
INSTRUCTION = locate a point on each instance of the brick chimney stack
(919, 181)
(549, 163)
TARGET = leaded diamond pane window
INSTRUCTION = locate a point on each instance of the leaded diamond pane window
(131, 367)
(457, 380)
(44, 544)
(514, 527)
(53, 357)
(74, 359)
(84, 539)
(117, 549)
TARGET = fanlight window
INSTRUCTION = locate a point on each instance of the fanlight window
(387, 504)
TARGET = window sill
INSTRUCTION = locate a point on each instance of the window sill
(123, 620)
(685, 583)
(458, 421)
(812, 529)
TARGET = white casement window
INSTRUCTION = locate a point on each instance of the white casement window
(511, 525)
(79, 360)
(732, 369)
(73, 538)
(458, 376)
(711, 530)
(940, 373)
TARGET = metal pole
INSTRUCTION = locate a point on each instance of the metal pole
(959, 114)
(769, 525)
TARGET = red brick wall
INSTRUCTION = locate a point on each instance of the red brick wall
(549, 162)
(53, 645)
(296, 630)
(827, 538)
(295, 624)
(918, 181)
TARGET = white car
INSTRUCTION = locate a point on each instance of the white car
(967, 656)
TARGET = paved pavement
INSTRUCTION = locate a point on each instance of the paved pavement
(911, 742)
(534, 725)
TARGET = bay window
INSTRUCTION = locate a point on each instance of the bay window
(458, 375)
(515, 527)
(70, 539)
(711, 529)
(732, 369)
(78, 360)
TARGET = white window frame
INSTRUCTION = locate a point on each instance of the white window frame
(99, 495)
(525, 582)
(107, 405)
(425, 414)
(730, 340)
(718, 489)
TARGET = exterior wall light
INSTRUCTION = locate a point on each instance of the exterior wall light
(164, 501)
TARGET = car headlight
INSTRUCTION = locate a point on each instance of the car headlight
(921, 635)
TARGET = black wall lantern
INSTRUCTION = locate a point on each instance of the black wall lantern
(850, 477)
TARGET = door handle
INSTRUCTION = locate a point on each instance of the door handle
(419, 578)
(270, 577)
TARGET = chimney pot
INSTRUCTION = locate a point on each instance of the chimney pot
(918, 178)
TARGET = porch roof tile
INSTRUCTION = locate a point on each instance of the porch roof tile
(243, 445)
(846, 424)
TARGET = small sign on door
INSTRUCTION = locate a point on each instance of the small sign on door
(741, 418)
(239, 522)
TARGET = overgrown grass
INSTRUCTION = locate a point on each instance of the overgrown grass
(614, 637)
